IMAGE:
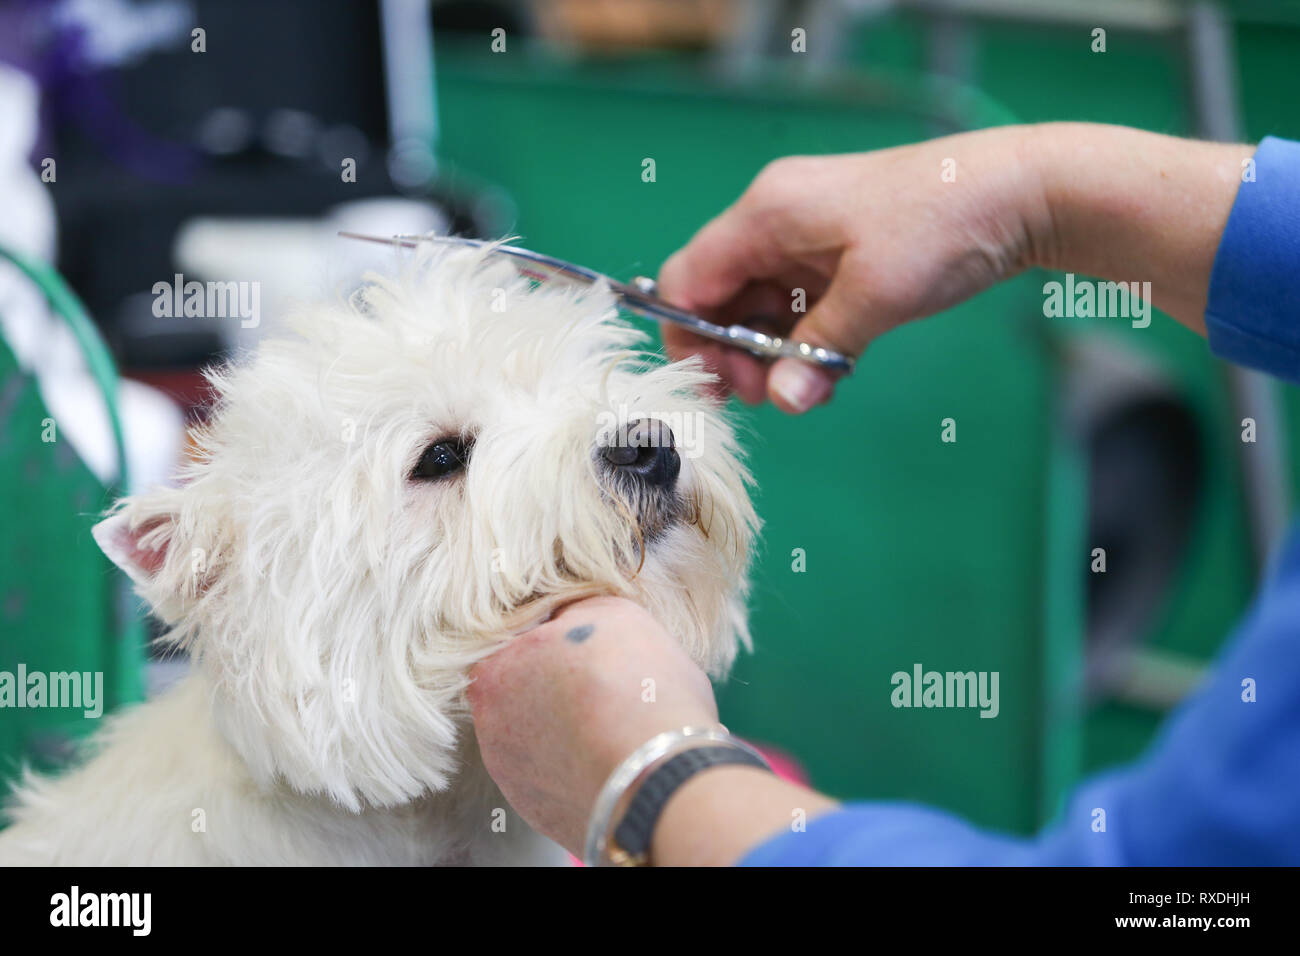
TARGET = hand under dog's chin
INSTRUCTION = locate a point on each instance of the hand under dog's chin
(540, 608)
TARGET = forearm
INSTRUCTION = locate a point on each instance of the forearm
(719, 815)
(1127, 205)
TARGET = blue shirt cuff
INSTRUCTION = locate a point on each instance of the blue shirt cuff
(1252, 314)
(889, 834)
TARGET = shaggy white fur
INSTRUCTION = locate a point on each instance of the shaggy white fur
(333, 604)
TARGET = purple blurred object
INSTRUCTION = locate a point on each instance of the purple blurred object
(38, 37)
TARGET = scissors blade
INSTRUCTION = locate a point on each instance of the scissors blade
(565, 270)
(642, 298)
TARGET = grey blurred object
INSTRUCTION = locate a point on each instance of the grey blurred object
(1254, 395)
(409, 78)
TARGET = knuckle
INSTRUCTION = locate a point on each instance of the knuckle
(780, 176)
(779, 190)
(672, 273)
(770, 185)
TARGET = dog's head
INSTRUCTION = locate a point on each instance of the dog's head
(423, 470)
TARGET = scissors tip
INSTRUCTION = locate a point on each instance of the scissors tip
(394, 240)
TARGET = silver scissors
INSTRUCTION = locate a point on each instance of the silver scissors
(640, 296)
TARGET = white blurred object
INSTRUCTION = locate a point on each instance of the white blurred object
(387, 215)
(294, 260)
(116, 32)
(28, 224)
(43, 344)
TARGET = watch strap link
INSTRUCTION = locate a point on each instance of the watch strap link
(634, 832)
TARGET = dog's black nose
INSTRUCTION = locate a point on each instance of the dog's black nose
(644, 449)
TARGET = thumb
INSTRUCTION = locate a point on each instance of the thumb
(837, 321)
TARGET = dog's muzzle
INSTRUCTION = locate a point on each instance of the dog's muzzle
(643, 465)
(643, 452)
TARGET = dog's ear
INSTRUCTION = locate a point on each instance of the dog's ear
(155, 538)
(144, 531)
(140, 551)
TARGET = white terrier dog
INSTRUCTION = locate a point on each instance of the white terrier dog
(377, 504)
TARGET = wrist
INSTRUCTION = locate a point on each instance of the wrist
(1036, 190)
(627, 810)
(1087, 176)
(717, 818)
(1013, 218)
(1128, 205)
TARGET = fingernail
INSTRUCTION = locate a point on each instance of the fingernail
(798, 385)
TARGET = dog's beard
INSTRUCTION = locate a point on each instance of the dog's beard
(650, 516)
(651, 512)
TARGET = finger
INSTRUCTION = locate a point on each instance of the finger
(517, 651)
(735, 370)
(836, 321)
(769, 304)
(763, 305)
(494, 668)
(747, 376)
(588, 609)
(716, 264)
(681, 343)
(519, 655)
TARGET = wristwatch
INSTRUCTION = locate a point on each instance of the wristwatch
(643, 783)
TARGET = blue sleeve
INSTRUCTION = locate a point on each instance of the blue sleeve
(1253, 309)
(1221, 784)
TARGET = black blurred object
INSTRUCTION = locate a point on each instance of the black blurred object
(480, 17)
(256, 125)
(1146, 474)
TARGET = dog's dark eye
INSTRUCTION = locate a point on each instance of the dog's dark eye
(444, 457)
